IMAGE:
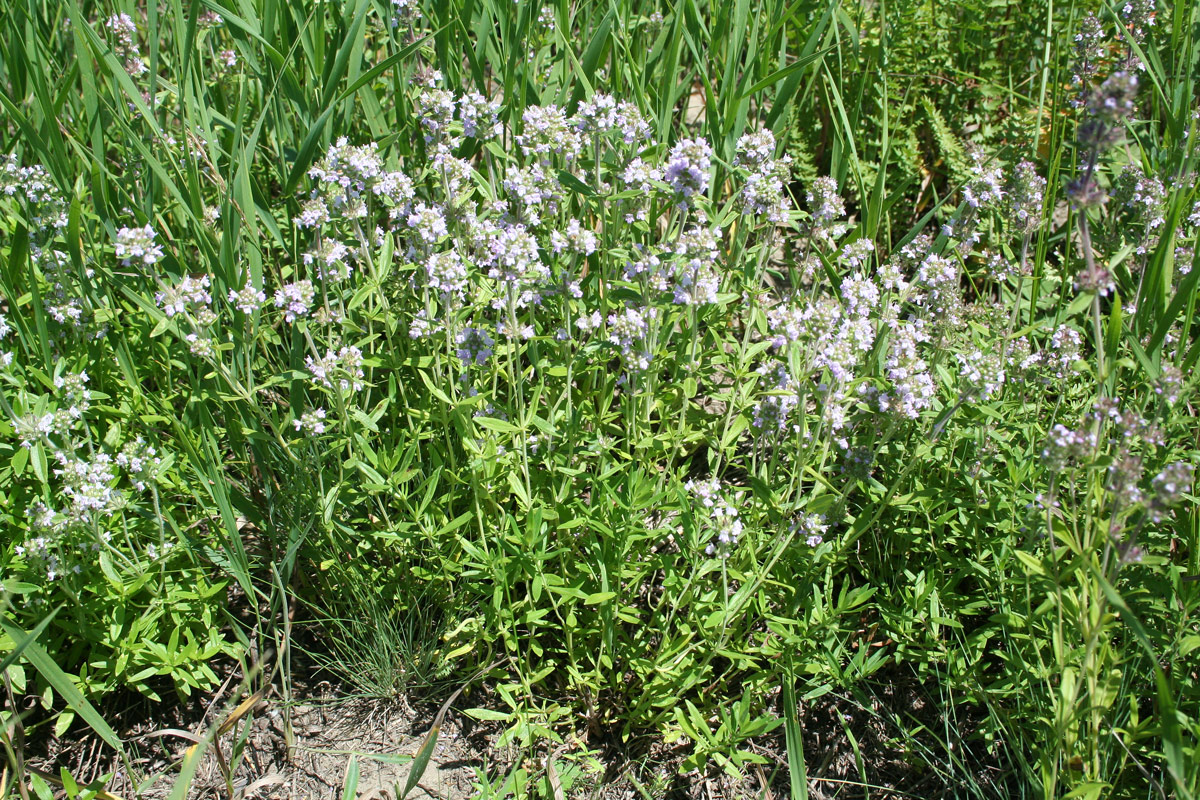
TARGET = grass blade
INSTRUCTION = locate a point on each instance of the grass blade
(65, 687)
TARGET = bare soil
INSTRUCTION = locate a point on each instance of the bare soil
(302, 749)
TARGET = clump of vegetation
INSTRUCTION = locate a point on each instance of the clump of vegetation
(667, 368)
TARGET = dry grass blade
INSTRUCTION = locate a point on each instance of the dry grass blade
(421, 758)
(242, 710)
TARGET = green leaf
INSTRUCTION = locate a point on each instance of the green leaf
(350, 782)
(64, 686)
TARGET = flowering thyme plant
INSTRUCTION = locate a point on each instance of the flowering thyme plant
(667, 377)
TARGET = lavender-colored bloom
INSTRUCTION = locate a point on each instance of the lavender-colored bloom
(982, 374)
(428, 222)
(446, 273)
(596, 115)
(1096, 279)
(1138, 17)
(474, 346)
(1089, 49)
(89, 485)
(1024, 197)
(688, 167)
(827, 210)
(1169, 384)
(858, 252)
(718, 515)
(755, 150)
(860, 295)
(627, 330)
(631, 125)
(435, 110)
(137, 244)
(140, 461)
(405, 12)
(1145, 198)
(646, 268)
(547, 131)
(1108, 106)
(812, 527)
(913, 389)
(313, 213)
(73, 391)
(986, 186)
(330, 261)
(296, 298)
(348, 171)
(1064, 350)
(696, 281)
(536, 189)
(1064, 446)
(311, 421)
(509, 253)
(455, 172)
(771, 414)
(191, 294)
(248, 299)
(640, 175)
(124, 41)
(576, 239)
(341, 370)
(763, 195)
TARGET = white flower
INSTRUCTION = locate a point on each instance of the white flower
(137, 244)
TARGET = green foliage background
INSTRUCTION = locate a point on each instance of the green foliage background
(425, 541)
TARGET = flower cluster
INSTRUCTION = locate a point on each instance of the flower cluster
(138, 244)
(547, 131)
(189, 296)
(141, 462)
(248, 299)
(603, 115)
(772, 415)
(827, 210)
(982, 374)
(1024, 194)
(627, 330)
(295, 298)
(1066, 446)
(474, 346)
(812, 527)
(720, 517)
(312, 421)
(696, 281)
(1145, 199)
(764, 193)
(687, 169)
(480, 117)
(342, 370)
(124, 43)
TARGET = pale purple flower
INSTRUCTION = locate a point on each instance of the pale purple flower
(341, 370)
(249, 299)
(480, 116)
(137, 244)
(312, 421)
(295, 298)
(688, 167)
(474, 346)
